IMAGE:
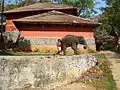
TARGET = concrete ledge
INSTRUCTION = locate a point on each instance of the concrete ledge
(44, 72)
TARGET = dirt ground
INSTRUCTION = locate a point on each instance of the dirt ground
(74, 86)
(116, 72)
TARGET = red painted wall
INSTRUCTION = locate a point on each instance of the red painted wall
(50, 30)
(55, 30)
(54, 34)
(10, 26)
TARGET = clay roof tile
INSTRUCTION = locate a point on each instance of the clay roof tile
(40, 6)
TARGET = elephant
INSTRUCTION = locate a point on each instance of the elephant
(105, 40)
(71, 41)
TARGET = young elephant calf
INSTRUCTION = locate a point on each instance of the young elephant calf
(71, 41)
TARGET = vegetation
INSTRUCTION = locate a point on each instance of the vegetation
(110, 18)
(85, 7)
(0, 5)
(106, 82)
(110, 23)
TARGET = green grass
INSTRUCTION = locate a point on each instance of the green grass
(106, 82)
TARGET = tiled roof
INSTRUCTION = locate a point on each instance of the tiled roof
(55, 17)
(40, 6)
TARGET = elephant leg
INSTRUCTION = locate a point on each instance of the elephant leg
(64, 49)
(98, 47)
(74, 47)
(118, 49)
(60, 51)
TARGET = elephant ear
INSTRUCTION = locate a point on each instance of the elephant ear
(82, 40)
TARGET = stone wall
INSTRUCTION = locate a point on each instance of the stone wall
(49, 41)
(43, 72)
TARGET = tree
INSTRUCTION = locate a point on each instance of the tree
(25, 2)
(0, 5)
(111, 18)
(20, 3)
(44, 0)
(85, 7)
(10, 6)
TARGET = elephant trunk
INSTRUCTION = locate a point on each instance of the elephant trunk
(83, 42)
(85, 46)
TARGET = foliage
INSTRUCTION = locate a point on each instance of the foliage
(10, 6)
(108, 47)
(24, 2)
(19, 3)
(110, 18)
(85, 7)
(0, 5)
(106, 82)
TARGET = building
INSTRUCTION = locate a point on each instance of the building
(35, 9)
(54, 24)
(43, 23)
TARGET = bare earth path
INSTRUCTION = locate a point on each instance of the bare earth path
(115, 61)
(116, 73)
